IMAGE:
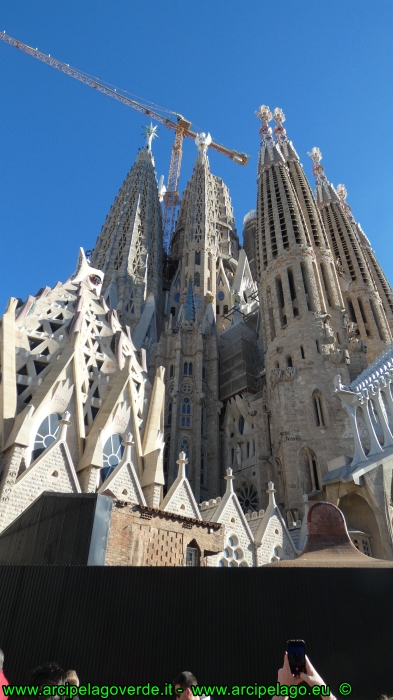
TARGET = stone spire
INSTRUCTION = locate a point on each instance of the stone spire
(129, 247)
(297, 325)
(328, 279)
(270, 151)
(325, 192)
(286, 146)
(360, 293)
(379, 277)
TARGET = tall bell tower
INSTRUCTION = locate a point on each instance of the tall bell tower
(302, 320)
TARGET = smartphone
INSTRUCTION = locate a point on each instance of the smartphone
(297, 656)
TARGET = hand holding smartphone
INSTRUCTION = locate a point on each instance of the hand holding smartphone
(296, 656)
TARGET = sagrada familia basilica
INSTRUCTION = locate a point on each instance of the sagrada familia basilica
(211, 395)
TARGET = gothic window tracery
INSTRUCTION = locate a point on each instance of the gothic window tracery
(46, 434)
(187, 369)
(111, 455)
(186, 412)
(248, 498)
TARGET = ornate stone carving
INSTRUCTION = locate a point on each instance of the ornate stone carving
(289, 374)
(275, 375)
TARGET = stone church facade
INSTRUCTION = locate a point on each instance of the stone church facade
(215, 392)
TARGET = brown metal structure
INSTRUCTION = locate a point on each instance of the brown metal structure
(181, 128)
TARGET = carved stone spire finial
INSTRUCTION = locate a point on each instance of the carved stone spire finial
(281, 135)
(265, 132)
(342, 194)
(325, 192)
(203, 142)
(270, 152)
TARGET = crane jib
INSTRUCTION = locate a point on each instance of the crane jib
(181, 127)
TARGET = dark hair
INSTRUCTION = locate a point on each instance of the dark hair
(49, 673)
(1, 659)
(186, 679)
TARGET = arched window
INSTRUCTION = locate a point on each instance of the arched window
(289, 361)
(46, 434)
(169, 419)
(248, 449)
(318, 411)
(241, 425)
(171, 371)
(193, 554)
(197, 257)
(190, 369)
(197, 279)
(186, 412)
(308, 473)
(302, 354)
(187, 369)
(203, 475)
(111, 455)
(167, 450)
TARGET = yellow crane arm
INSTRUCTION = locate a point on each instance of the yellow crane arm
(240, 158)
(181, 127)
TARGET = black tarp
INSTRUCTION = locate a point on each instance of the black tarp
(59, 529)
(229, 626)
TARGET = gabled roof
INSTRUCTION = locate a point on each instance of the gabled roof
(180, 498)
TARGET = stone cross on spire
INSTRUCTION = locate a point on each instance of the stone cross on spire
(281, 135)
(325, 192)
(270, 152)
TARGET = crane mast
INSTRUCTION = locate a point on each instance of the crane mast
(181, 128)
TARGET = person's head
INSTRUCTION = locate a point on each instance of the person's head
(48, 674)
(1, 659)
(182, 685)
(71, 678)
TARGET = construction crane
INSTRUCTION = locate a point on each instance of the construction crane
(181, 127)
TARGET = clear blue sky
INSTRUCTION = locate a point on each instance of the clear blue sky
(65, 149)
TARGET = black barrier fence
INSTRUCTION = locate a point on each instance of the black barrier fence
(120, 625)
